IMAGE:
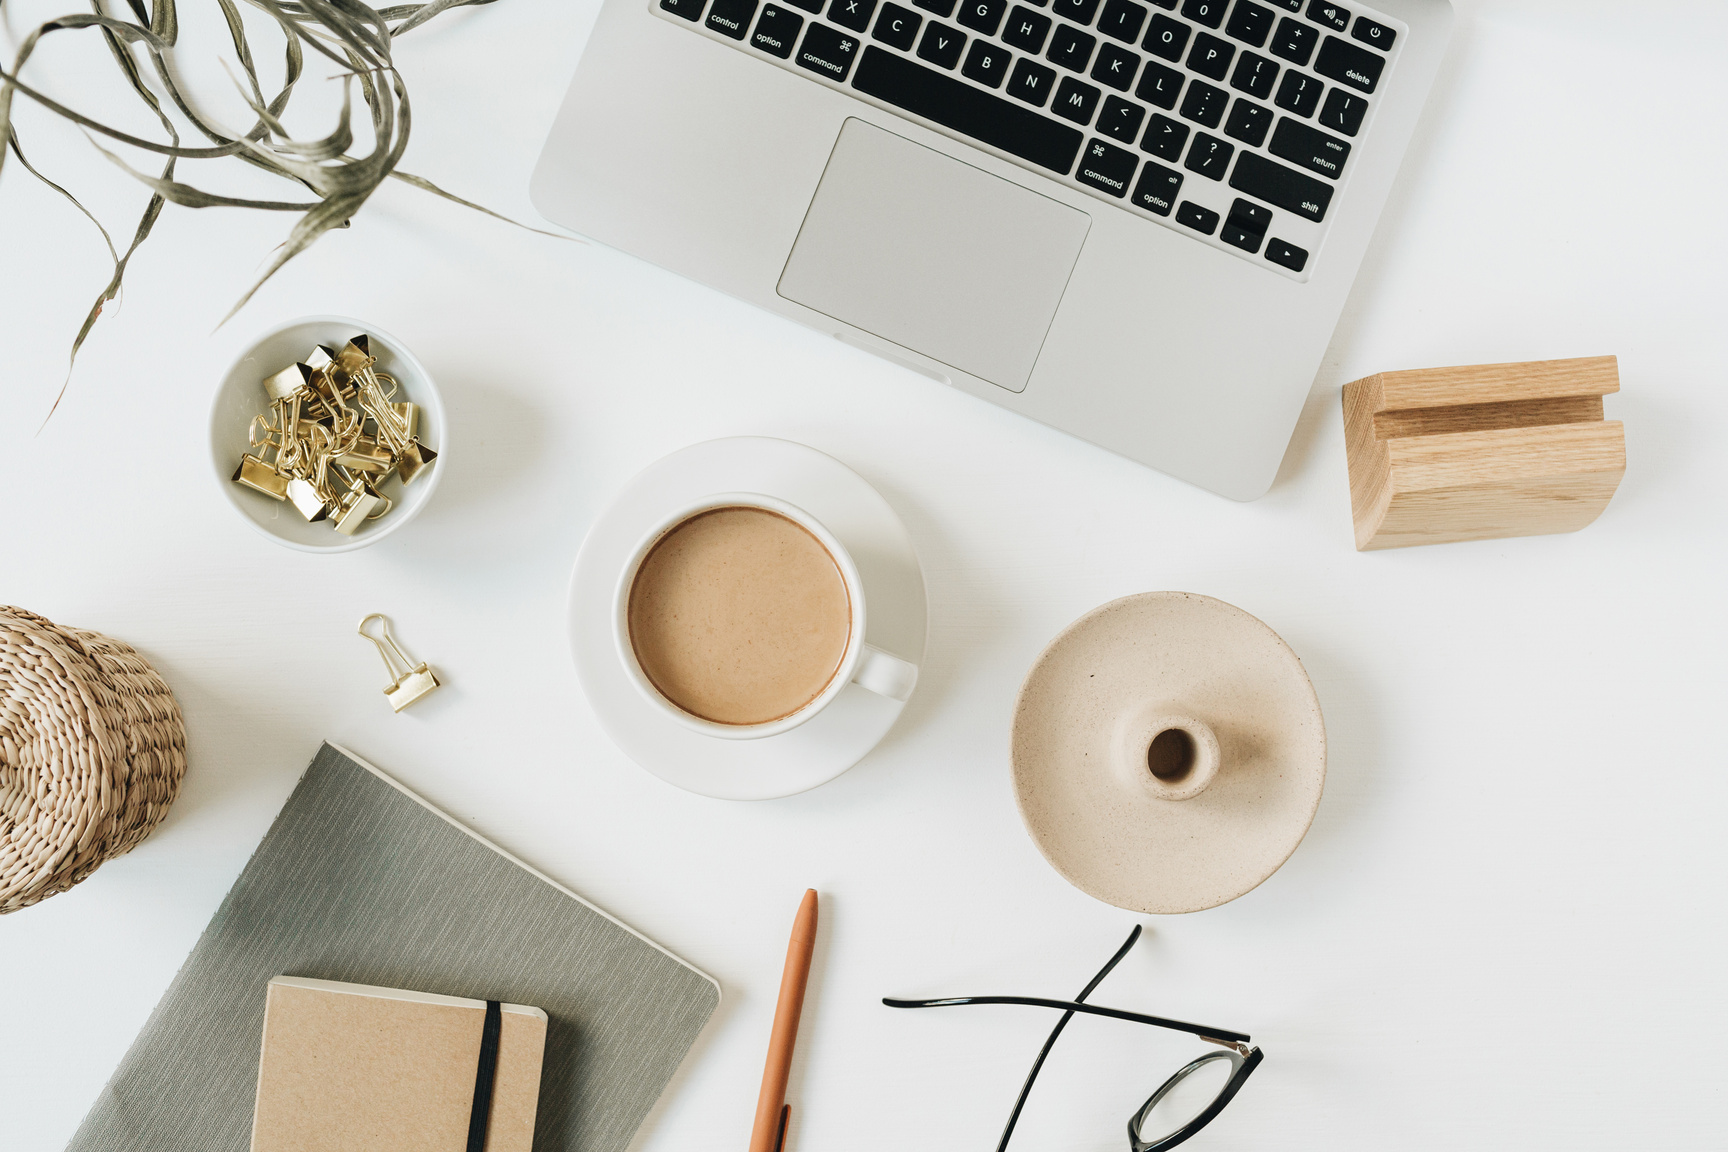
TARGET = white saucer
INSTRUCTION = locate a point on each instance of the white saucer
(841, 734)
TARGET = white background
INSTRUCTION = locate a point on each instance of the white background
(1504, 929)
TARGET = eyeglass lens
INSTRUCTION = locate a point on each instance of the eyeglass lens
(1183, 1098)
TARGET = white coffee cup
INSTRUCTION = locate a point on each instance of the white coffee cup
(862, 664)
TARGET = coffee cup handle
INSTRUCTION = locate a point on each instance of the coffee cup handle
(885, 675)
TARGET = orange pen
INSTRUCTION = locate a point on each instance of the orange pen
(772, 1111)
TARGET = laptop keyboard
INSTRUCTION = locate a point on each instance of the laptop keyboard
(1231, 121)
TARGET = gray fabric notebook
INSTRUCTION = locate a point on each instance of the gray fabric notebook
(360, 880)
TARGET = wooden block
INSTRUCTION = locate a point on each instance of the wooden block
(1481, 452)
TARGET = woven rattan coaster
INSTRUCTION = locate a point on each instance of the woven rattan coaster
(92, 749)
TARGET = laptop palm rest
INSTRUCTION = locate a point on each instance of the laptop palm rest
(935, 255)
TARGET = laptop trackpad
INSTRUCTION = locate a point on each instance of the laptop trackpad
(933, 254)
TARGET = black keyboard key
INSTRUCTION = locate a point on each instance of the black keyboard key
(1241, 238)
(1107, 167)
(1250, 23)
(1200, 219)
(1156, 189)
(1295, 42)
(1322, 12)
(986, 64)
(1207, 12)
(1250, 217)
(1281, 187)
(1160, 85)
(1075, 101)
(942, 8)
(983, 16)
(1209, 156)
(827, 51)
(732, 17)
(1246, 225)
(1166, 38)
(1031, 82)
(1204, 104)
(1026, 29)
(1211, 56)
(969, 111)
(777, 31)
(1079, 11)
(1372, 34)
(1254, 75)
(1165, 138)
(1249, 122)
(1167, 5)
(1071, 48)
(1309, 148)
(1287, 5)
(1122, 20)
(941, 45)
(1121, 120)
(1299, 94)
(853, 14)
(1115, 67)
(1284, 253)
(691, 10)
(1343, 112)
(897, 26)
(1349, 65)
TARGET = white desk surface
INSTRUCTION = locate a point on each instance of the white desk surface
(1505, 927)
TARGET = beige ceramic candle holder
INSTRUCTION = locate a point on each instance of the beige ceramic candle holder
(1168, 752)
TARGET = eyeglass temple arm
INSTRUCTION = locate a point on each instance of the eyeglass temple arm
(1205, 1033)
(1056, 1034)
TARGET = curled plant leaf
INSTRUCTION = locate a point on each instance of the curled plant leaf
(352, 35)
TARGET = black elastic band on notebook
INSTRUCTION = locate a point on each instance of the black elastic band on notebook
(484, 1076)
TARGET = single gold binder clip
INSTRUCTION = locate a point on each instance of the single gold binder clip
(364, 455)
(260, 477)
(322, 357)
(414, 681)
(356, 505)
(415, 459)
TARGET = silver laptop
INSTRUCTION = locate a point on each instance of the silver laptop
(1133, 220)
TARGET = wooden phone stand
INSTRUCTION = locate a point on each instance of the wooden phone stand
(1475, 453)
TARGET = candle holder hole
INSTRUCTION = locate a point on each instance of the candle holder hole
(1171, 755)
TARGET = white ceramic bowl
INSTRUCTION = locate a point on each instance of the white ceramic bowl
(241, 396)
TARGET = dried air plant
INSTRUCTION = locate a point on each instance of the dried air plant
(357, 38)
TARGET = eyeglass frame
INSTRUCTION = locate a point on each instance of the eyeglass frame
(1236, 1049)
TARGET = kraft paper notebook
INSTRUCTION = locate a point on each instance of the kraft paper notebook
(359, 880)
(355, 1068)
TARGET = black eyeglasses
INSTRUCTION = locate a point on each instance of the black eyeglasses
(1184, 1104)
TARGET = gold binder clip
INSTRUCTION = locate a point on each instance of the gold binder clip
(356, 505)
(288, 381)
(322, 357)
(414, 681)
(260, 477)
(364, 455)
(415, 459)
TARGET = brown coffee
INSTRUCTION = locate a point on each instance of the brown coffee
(739, 615)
